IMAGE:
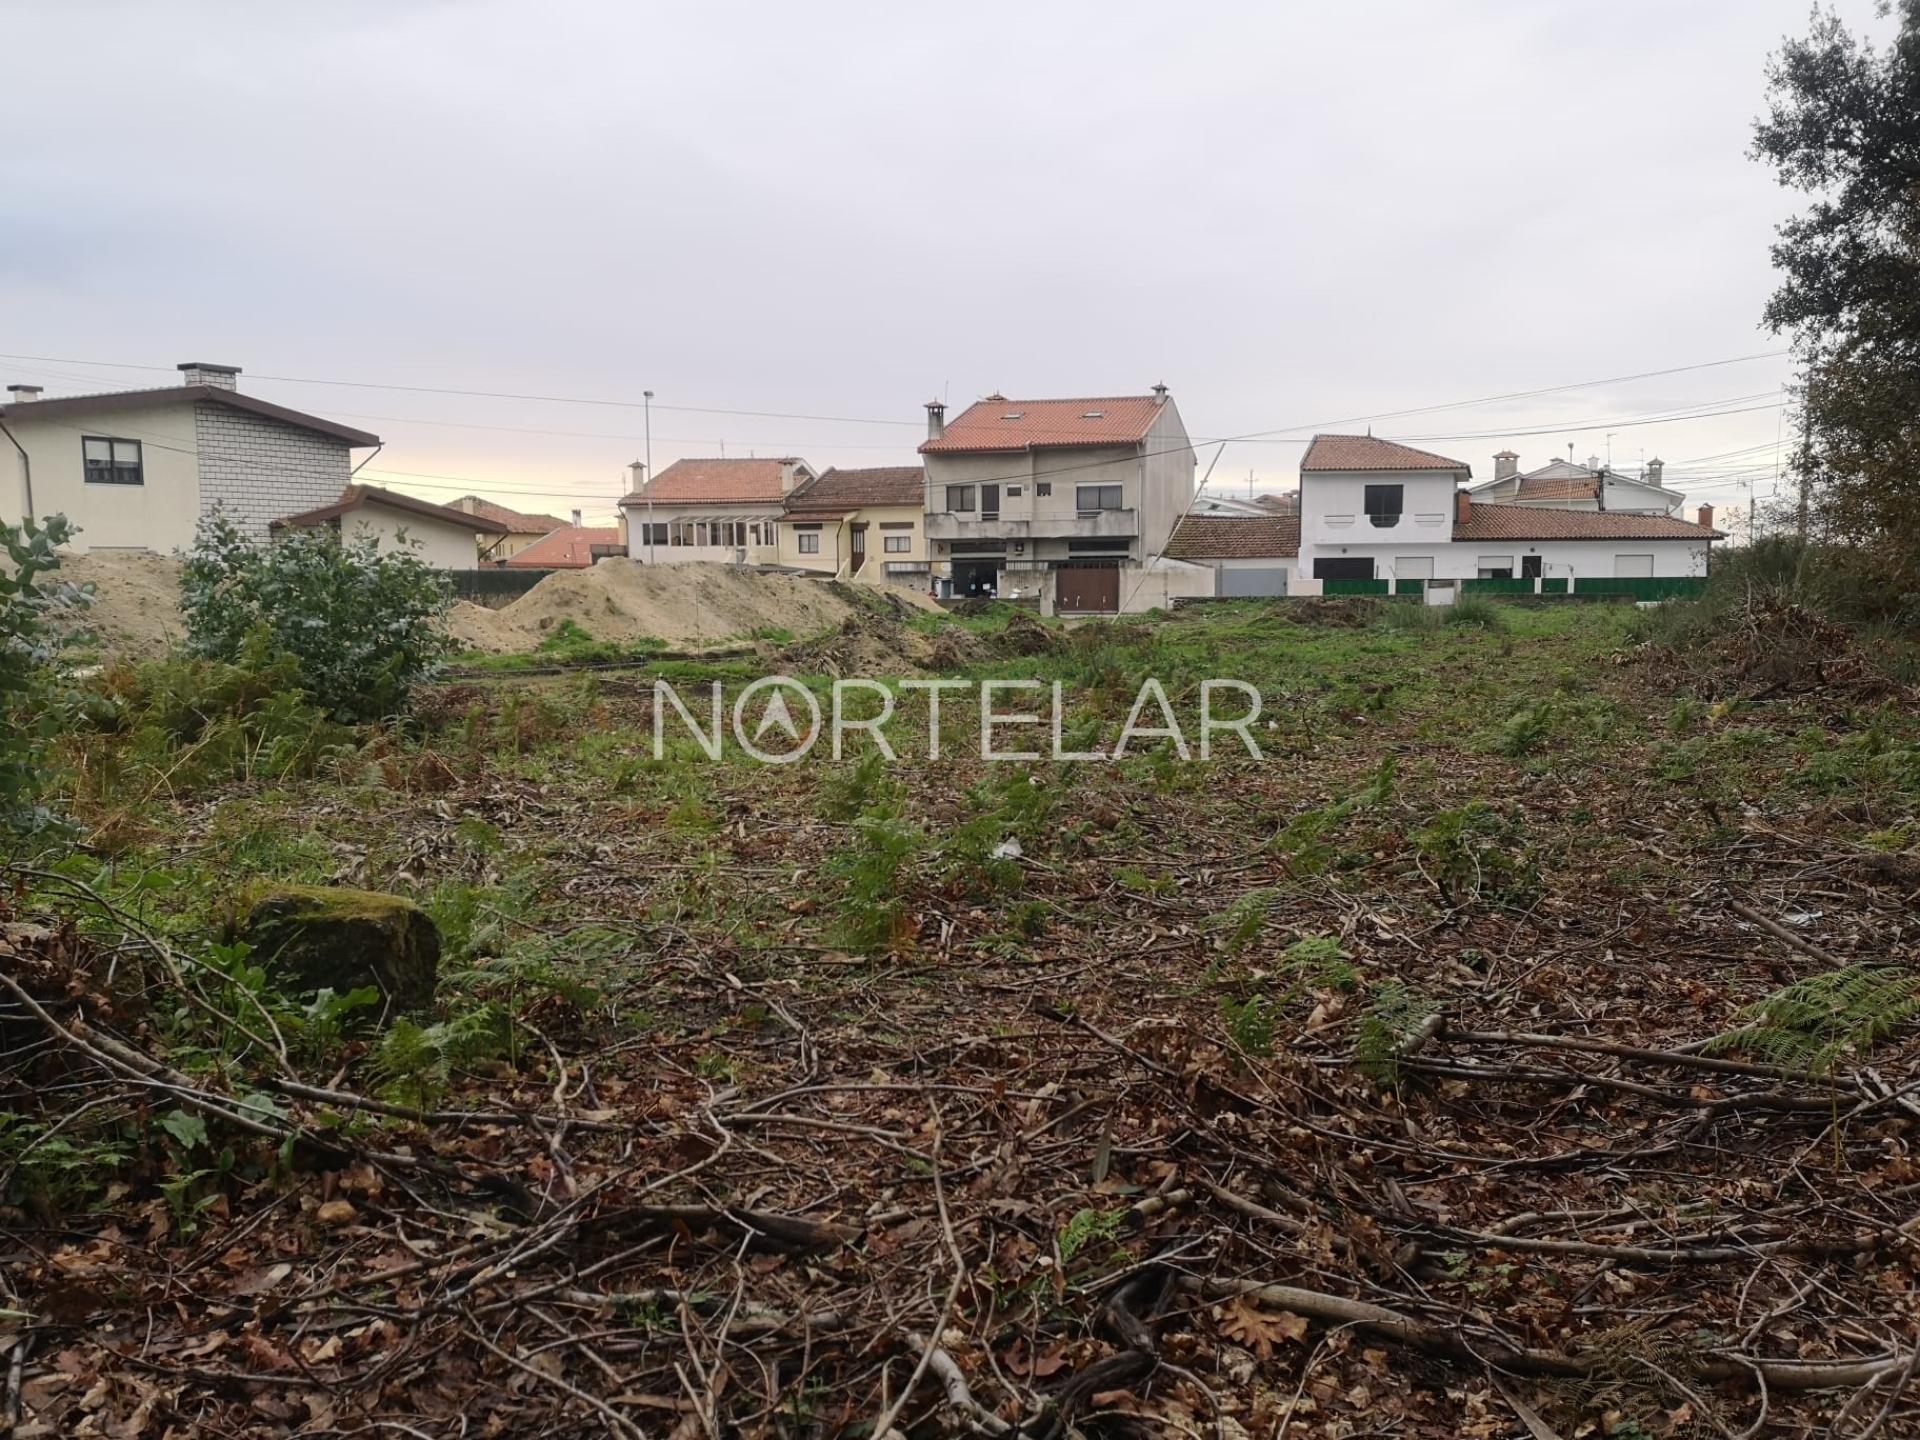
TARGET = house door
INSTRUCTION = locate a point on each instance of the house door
(859, 552)
(1088, 588)
(1530, 567)
(989, 502)
(1360, 568)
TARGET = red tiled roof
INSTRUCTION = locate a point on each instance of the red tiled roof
(850, 489)
(997, 424)
(1283, 504)
(716, 482)
(1365, 452)
(354, 496)
(1558, 487)
(517, 522)
(568, 548)
(1234, 537)
(1486, 521)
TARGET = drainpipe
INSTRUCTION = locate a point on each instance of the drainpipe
(26, 466)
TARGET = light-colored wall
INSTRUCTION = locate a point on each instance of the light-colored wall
(158, 515)
(257, 470)
(1587, 559)
(836, 541)
(440, 544)
(1333, 508)
(634, 527)
(1166, 478)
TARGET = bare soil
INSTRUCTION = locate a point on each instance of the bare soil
(135, 612)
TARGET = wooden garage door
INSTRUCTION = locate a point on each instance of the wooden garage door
(1090, 587)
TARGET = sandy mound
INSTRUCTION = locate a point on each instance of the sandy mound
(136, 603)
(621, 600)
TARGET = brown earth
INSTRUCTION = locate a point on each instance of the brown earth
(135, 612)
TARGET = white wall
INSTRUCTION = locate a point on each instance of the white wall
(1333, 508)
(636, 519)
(441, 545)
(1560, 559)
(159, 514)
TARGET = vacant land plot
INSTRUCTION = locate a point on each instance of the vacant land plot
(1368, 1088)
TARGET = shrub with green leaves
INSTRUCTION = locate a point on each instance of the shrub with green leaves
(362, 624)
(32, 701)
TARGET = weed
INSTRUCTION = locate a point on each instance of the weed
(1386, 1029)
(873, 871)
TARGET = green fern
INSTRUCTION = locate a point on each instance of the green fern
(1320, 962)
(1086, 1227)
(416, 1062)
(1812, 1024)
(1387, 1028)
(1241, 922)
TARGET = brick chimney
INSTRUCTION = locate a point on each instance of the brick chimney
(217, 377)
(23, 393)
(1462, 507)
(1160, 394)
(936, 419)
(1654, 467)
(576, 519)
(1506, 465)
(1706, 517)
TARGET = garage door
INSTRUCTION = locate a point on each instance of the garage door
(1251, 580)
(1348, 569)
(1088, 587)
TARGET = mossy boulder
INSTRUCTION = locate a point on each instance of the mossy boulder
(313, 937)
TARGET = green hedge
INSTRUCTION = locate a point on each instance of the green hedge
(1651, 587)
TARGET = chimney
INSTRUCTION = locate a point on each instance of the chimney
(1654, 467)
(1706, 517)
(936, 419)
(1462, 507)
(576, 519)
(23, 393)
(637, 476)
(1593, 464)
(1160, 394)
(1506, 465)
(217, 377)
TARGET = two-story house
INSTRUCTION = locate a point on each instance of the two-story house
(867, 524)
(724, 511)
(1067, 501)
(1566, 485)
(138, 469)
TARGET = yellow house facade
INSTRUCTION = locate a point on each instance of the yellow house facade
(859, 525)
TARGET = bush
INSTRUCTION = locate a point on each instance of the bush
(1476, 610)
(31, 702)
(362, 625)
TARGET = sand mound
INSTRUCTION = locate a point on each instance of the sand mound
(621, 600)
(135, 612)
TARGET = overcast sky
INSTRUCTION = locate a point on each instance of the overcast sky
(1293, 214)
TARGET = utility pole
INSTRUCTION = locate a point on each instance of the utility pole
(648, 395)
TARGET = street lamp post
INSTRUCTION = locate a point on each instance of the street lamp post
(648, 394)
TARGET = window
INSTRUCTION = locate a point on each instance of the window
(110, 461)
(1012, 491)
(1413, 567)
(1383, 503)
(1495, 567)
(1632, 567)
(658, 537)
(1043, 487)
(896, 544)
(959, 497)
(1091, 499)
(1530, 567)
(807, 542)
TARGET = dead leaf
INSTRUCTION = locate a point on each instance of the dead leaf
(336, 1213)
(1242, 1319)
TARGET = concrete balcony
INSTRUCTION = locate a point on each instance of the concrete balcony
(1097, 525)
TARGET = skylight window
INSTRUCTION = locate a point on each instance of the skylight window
(1094, 415)
(1014, 415)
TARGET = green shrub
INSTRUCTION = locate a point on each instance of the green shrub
(1478, 611)
(33, 704)
(361, 624)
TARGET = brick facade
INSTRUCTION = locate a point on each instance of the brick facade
(258, 470)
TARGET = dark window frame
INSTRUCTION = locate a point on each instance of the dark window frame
(1384, 504)
(115, 466)
(961, 499)
(807, 542)
(888, 547)
(1101, 494)
(1043, 487)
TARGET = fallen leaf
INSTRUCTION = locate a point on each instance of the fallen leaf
(1242, 1319)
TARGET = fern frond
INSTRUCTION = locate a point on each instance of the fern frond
(1387, 1028)
(1812, 1024)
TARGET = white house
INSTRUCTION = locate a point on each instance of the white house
(722, 511)
(1373, 509)
(439, 534)
(1067, 501)
(1564, 485)
(137, 469)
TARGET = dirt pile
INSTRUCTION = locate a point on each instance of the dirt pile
(1340, 612)
(135, 612)
(866, 644)
(621, 600)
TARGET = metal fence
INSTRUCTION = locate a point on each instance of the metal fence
(495, 587)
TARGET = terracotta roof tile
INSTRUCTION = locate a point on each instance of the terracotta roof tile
(354, 496)
(1558, 487)
(716, 482)
(1486, 521)
(568, 548)
(1234, 537)
(844, 489)
(998, 424)
(1366, 452)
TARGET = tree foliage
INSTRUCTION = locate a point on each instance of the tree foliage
(363, 625)
(1843, 126)
(31, 702)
